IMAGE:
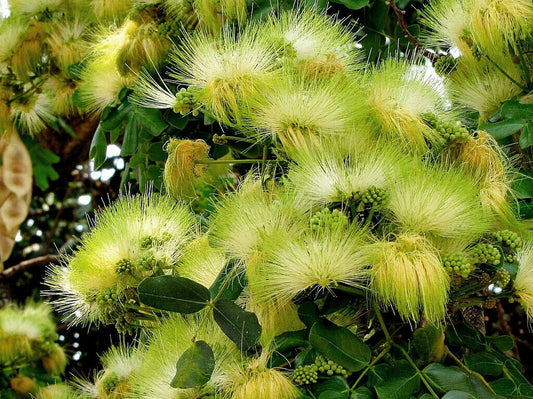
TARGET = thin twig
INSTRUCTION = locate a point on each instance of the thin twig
(504, 327)
(28, 264)
(413, 39)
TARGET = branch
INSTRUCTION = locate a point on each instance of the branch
(28, 264)
(413, 39)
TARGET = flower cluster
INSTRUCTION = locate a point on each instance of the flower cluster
(384, 199)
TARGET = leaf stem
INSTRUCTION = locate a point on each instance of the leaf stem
(382, 322)
(406, 355)
(125, 175)
(264, 160)
(385, 350)
(350, 290)
(410, 360)
(229, 161)
(467, 369)
(524, 88)
(524, 67)
(236, 138)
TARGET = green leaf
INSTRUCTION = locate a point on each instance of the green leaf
(513, 370)
(333, 395)
(77, 99)
(112, 118)
(371, 43)
(523, 185)
(232, 285)
(480, 389)
(377, 374)
(151, 120)
(503, 129)
(43, 175)
(194, 367)
(523, 208)
(378, 15)
(335, 384)
(464, 334)
(208, 120)
(156, 153)
(458, 395)
(240, 326)
(308, 313)
(124, 93)
(503, 386)
(155, 174)
(131, 137)
(428, 342)
(413, 30)
(320, 5)
(175, 120)
(502, 342)
(362, 393)
(74, 70)
(42, 160)
(484, 363)
(402, 381)
(512, 109)
(353, 4)
(305, 357)
(526, 136)
(290, 340)
(444, 378)
(340, 345)
(175, 294)
(66, 127)
(98, 147)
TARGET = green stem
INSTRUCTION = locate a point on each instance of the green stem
(143, 309)
(229, 161)
(406, 355)
(412, 363)
(382, 322)
(468, 370)
(24, 93)
(124, 178)
(367, 368)
(369, 218)
(263, 166)
(525, 69)
(236, 138)
(224, 285)
(524, 88)
(350, 290)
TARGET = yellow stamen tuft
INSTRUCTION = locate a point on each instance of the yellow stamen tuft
(407, 274)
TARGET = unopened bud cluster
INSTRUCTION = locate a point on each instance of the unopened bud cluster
(486, 253)
(185, 102)
(510, 243)
(374, 196)
(304, 375)
(501, 277)
(327, 219)
(458, 264)
(449, 131)
(329, 367)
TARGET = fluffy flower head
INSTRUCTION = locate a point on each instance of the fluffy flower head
(319, 45)
(523, 283)
(152, 231)
(228, 69)
(437, 201)
(407, 274)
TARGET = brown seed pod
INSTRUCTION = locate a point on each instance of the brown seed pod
(16, 168)
(15, 190)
